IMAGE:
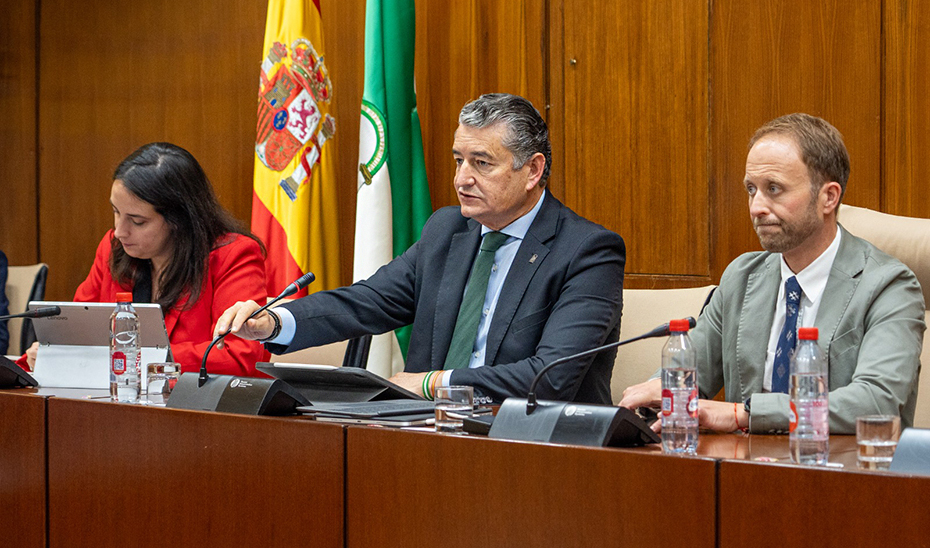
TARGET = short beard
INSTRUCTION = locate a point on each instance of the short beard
(793, 235)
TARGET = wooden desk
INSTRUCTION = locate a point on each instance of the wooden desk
(785, 505)
(22, 469)
(208, 479)
(228, 480)
(770, 449)
(422, 489)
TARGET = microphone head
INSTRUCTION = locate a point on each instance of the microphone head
(691, 322)
(46, 311)
(305, 280)
(297, 285)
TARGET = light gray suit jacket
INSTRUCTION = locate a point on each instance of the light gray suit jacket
(871, 322)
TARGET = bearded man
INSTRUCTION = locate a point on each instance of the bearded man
(868, 306)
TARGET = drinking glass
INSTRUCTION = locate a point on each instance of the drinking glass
(453, 404)
(877, 437)
(160, 379)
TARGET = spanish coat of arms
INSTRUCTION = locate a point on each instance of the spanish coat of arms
(294, 84)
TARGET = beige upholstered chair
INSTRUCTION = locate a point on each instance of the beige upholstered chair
(907, 239)
(644, 309)
(23, 284)
(330, 354)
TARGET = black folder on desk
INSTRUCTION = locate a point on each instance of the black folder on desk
(328, 384)
(405, 412)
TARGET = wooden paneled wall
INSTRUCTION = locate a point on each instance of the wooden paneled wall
(466, 48)
(631, 88)
(18, 222)
(650, 105)
(906, 108)
(823, 58)
(113, 76)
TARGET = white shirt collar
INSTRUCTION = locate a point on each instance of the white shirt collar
(519, 227)
(813, 279)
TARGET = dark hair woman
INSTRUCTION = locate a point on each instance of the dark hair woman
(173, 244)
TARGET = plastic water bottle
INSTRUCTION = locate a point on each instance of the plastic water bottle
(125, 351)
(679, 392)
(809, 415)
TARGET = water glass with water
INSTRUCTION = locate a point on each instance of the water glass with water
(160, 379)
(877, 437)
(453, 404)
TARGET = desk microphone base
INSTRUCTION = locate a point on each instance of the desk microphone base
(13, 376)
(240, 395)
(912, 455)
(571, 423)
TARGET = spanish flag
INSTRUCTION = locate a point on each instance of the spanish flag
(294, 208)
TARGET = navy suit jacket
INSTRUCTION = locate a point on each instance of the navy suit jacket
(562, 295)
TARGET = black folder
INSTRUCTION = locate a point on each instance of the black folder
(328, 384)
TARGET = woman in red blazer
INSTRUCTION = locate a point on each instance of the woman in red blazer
(173, 244)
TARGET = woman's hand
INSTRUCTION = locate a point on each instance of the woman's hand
(31, 355)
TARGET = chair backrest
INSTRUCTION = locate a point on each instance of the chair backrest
(904, 238)
(357, 352)
(24, 284)
(644, 309)
(908, 240)
(329, 354)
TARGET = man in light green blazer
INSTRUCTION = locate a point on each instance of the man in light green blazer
(868, 306)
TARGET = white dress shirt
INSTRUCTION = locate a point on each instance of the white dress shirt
(813, 282)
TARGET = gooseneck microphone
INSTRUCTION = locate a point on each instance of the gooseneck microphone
(574, 422)
(660, 331)
(294, 287)
(42, 312)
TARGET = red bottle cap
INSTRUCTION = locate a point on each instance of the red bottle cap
(124, 297)
(678, 326)
(808, 333)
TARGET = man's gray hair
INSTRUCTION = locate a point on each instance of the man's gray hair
(526, 134)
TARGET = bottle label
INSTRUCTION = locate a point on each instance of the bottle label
(118, 363)
(693, 403)
(820, 418)
(668, 402)
(792, 417)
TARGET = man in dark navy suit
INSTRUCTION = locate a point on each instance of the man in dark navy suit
(546, 283)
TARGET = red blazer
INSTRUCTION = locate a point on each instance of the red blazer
(236, 273)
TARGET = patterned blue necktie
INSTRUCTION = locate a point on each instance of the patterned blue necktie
(788, 337)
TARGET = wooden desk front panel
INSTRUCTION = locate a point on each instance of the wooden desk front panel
(208, 479)
(422, 489)
(22, 469)
(776, 505)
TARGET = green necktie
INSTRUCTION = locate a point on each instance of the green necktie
(466, 325)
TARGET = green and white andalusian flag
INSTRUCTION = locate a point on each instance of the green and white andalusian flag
(393, 195)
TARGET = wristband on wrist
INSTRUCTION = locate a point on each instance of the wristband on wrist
(736, 417)
(276, 330)
(425, 387)
(435, 380)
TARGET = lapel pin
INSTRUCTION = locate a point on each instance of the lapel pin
(533, 258)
